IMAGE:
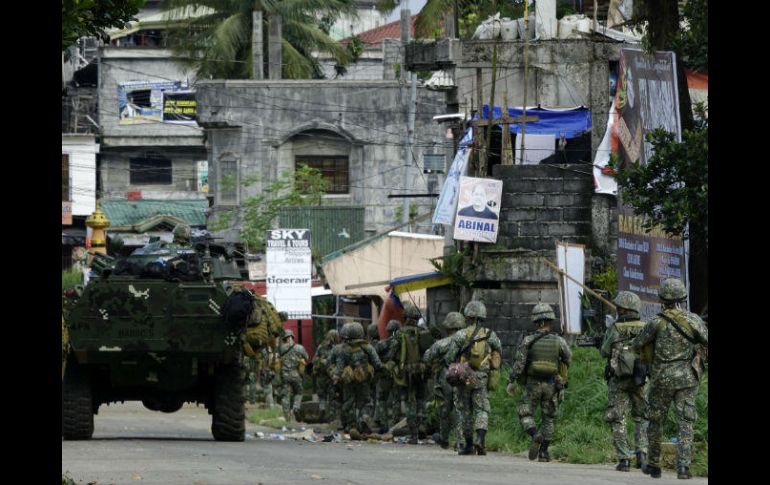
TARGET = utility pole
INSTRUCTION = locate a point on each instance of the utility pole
(526, 77)
(405, 16)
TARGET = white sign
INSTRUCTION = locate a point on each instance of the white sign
(571, 259)
(289, 262)
(447, 201)
(478, 209)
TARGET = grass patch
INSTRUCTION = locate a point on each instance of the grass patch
(271, 417)
(581, 435)
(70, 278)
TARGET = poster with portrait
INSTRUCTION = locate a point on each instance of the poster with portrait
(478, 210)
(142, 101)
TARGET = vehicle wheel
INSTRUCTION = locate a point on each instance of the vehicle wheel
(77, 405)
(228, 417)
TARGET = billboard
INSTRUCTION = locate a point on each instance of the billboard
(571, 259)
(478, 209)
(202, 171)
(647, 98)
(179, 107)
(289, 271)
(142, 101)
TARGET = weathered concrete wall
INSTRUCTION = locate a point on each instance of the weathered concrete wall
(264, 125)
(115, 173)
(183, 144)
(124, 64)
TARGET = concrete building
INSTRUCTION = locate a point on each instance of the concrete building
(353, 131)
(143, 157)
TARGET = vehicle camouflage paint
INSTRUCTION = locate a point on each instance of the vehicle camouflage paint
(162, 326)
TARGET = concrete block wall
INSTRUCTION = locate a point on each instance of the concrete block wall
(540, 204)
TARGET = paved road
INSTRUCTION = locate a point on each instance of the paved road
(134, 446)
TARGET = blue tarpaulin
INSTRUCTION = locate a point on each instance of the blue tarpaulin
(570, 122)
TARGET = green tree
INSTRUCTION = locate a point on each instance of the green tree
(91, 17)
(214, 36)
(471, 13)
(303, 187)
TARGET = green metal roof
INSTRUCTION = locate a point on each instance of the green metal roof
(131, 212)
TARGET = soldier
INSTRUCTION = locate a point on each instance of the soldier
(293, 358)
(373, 336)
(410, 372)
(540, 365)
(320, 371)
(267, 374)
(251, 374)
(624, 387)
(443, 392)
(356, 364)
(481, 349)
(679, 339)
(182, 234)
(388, 406)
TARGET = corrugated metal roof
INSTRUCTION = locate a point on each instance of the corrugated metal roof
(130, 212)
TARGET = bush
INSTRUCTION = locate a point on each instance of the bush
(70, 278)
(581, 435)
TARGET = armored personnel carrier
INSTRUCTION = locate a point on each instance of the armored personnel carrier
(162, 326)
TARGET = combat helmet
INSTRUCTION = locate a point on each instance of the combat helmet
(628, 301)
(182, 233)
(345, 331)
(411, 311)
(287, 333)
(543, 311)
(454, 321)
(356, 331)
(372, 332)
(672, 289)
(475, 309)
(392, 326)
(332, 335)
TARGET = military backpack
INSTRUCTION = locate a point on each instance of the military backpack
(623, 358)
(359, 369)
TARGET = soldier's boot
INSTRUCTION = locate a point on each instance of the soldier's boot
(683, 473)
(469, 449)
(641, 459)
(480, 445)
(543, 453)
(623, 465)
(537, 439)
(413, 440)
(651, 470)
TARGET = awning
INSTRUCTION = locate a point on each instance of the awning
(572, 122)
(419, 282)
(125, 214)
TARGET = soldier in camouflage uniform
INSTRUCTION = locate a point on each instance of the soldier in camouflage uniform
(540, 365)
(442, 391)
(373, 336)
(411, 374)
(481, 348)
(679, 338)
(387, 410)
(321, 366)
(623, 388)
(251, 378)
(356, 364)
(267, 374)
(293, 357)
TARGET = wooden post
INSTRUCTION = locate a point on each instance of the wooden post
(506, 153)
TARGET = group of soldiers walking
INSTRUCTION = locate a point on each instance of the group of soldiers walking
(378, 382)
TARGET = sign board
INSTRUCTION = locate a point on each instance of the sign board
(647, 98)
(142, 101)
(478, 209)
(289, 262)
(134, 195)
(447, 200)
(433, 162)
(257, 270)
(571, 259)
(179, 107)
(66, 213)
